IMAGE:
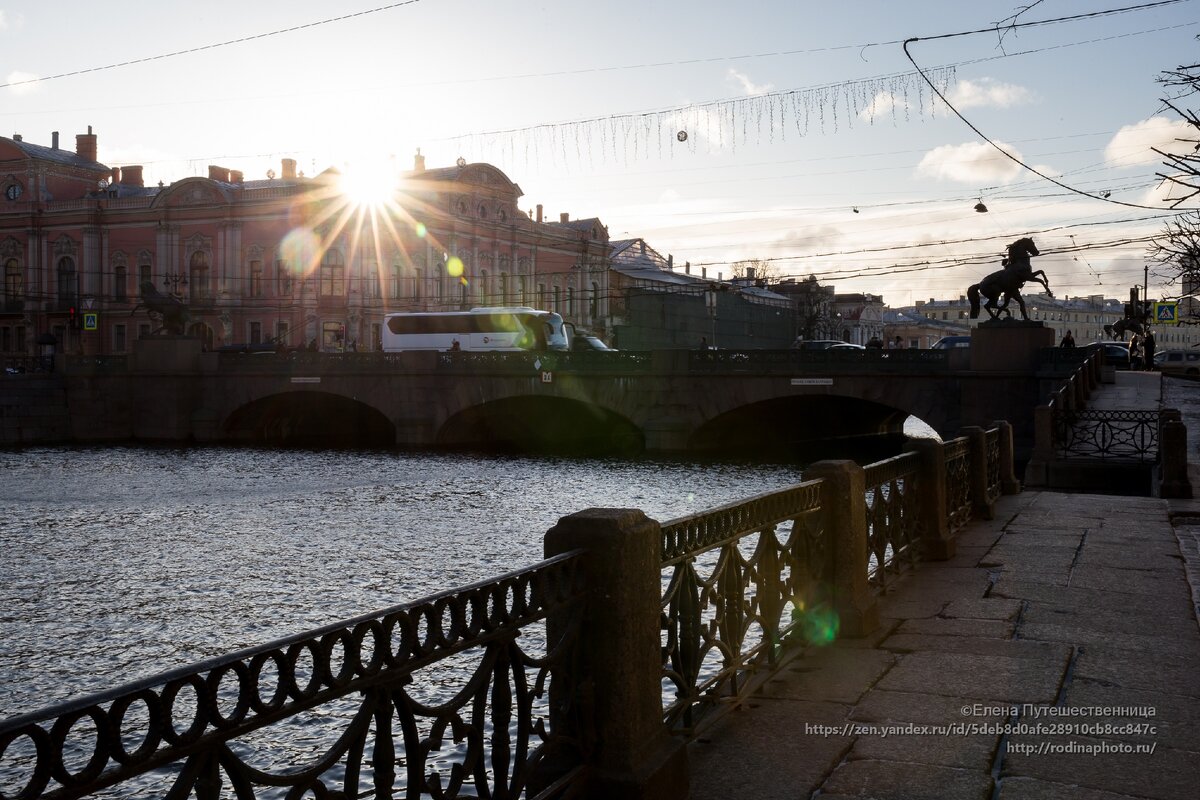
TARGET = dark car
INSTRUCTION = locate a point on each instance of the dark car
(952, 342)
(1116, 354)
(815, 344)
(586, 342)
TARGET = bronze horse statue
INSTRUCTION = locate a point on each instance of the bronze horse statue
(1007, 282)
(1123, 326)
(172, 310)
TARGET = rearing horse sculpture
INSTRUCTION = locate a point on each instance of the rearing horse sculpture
(172, 310)
(1008, 282)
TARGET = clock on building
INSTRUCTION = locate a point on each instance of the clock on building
(12, 191)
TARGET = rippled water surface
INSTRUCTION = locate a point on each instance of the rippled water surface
(121, 563)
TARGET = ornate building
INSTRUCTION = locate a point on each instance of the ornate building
(292, 260)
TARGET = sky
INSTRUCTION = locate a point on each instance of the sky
(794, 132)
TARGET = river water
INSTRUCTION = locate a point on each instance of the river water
(119, 563)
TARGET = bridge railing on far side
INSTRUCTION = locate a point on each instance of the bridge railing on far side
(584, 675)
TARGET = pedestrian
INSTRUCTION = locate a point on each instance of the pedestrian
(1067, 341)
(703, 343)
(899, 343)
(875, 343)
(1148, 349)
(1135, 352)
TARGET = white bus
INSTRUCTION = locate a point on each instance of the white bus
(479, 329)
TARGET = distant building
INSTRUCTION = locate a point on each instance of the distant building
(654, 306)
(813, 307)
(917, 330)
(859, 317)
(287, 259)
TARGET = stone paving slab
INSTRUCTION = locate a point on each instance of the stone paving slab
(1015, 586)
(1019, 680)
(839, 675)
(1034, 789)
(974, 645)
(1110, 624)
(938, 626)
(1164, 773)
(1156, 583)
(748, 755)
(901, 781)
(983, 608)
(1172, 670)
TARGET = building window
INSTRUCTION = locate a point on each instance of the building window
(256, 279)
(333, 337)
(333, 274)
(255, 333)
(283, 278)
(281, 334)
(143, 330)
(504, 301)
(198, 274)
(594, 302)
(68, 282)
(118, 339)
(372, 281)
(14, 283)
(120, 281)
(145, 270)
(541, 296)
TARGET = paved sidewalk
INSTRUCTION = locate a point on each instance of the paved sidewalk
(1062, 602)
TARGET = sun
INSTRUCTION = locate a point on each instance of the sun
(369, 181)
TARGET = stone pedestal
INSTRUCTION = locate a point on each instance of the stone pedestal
(166, 354)
(1009, 346)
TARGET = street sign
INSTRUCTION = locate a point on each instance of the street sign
(1166, 313)
(91, 320)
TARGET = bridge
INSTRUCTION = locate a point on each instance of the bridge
(728, 402)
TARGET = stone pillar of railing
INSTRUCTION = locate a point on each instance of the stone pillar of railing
(1008, 476)
(844, 501)
(620, 658)
(937, 541)
(978, 478)
(1080, 380)
(1172, 455)
(1037, 471)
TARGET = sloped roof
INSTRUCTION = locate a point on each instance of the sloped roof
(60, 156)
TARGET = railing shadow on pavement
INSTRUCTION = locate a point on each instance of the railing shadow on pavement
(584, 675)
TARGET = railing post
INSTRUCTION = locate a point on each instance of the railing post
(978, 479)
(843, 499)
(1172, 455)
(937, 542)
(620, 657)
(1008, 476)
(1037, 471)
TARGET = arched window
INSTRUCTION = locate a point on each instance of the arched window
(333, 274)
(198, 274)
(594, 301)
(68, 282)
(14, 283)
(256, 278)
(145, 268)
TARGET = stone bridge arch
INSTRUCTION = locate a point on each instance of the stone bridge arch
(542, 423)
(309, 418)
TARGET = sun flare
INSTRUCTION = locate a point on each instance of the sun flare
(369, 182)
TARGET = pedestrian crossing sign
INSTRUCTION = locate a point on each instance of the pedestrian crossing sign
(91, 320)
(1166, 313)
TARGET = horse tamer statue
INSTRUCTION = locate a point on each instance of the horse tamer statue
(172, 310)
(1007, 282)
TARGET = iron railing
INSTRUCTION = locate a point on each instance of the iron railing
(740, 580)
(992, 440)
(958, 482)
(437, 698)
(836, 360)
(893, 516)
(1112, 435)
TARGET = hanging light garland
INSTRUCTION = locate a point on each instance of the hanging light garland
(715, 126)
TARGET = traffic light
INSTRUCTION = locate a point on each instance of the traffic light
(74, 321)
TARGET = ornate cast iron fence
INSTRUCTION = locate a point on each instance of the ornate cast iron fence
(838, 360)
(1118, 435)
(740, 580)
(994, 488)
(893, 516)
(958, 483)
(397, 725)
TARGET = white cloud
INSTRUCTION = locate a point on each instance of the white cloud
(20, 78)
(1131, 145)
(883, 104)
(749, 86)
(970, 163)
(987, 92)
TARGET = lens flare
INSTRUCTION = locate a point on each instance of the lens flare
(421, 230)
(454, 267)
(299, 251)
(368, 183)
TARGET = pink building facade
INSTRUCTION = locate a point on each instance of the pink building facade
(289, 260)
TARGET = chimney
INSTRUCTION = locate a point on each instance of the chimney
(539, 212)
(670, 261)
(18, 137)
(54, 140)
(235, 176)
(85, 145)
(564, 217)
(116, 175)
(704, 273)
(418, 162)
(289, 168)
(218, 173)
(750, 273)
(687, 268)
(132, 176)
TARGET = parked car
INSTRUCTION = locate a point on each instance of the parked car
(1116, 354)
(815, 344)
(845, 346)
(1178, 362)
(583, 342)
(952, 342)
